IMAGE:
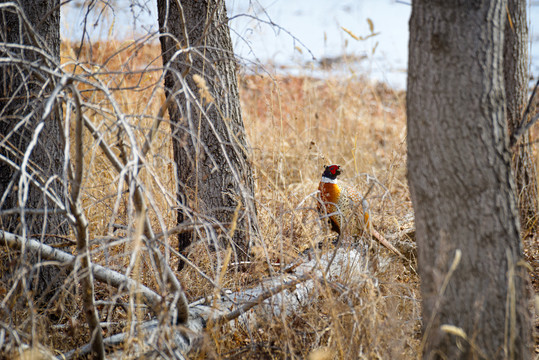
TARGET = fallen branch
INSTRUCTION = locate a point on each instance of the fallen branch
(258, 300)
(103, 274)
(184, 339)
(184, 336)
(287, 293)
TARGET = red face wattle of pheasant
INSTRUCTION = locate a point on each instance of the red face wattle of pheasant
(331, 172)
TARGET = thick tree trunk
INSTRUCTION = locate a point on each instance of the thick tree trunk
(459, 172)
(24, 91)
(515, 66)
(210, 149)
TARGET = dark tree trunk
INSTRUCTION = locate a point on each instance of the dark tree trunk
(23, 93)
(210, 148)
(459, 172)
(515, 57)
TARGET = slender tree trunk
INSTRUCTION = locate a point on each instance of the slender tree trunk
(24, 91)
(515, 66)
(210, 148)
(459, 171)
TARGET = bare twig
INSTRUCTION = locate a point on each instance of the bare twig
(386, 243)
(523, 126)
(182, 306)
(81, 225)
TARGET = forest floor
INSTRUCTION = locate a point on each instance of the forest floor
(295, 125)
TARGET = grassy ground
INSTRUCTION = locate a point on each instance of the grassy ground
(295, 125)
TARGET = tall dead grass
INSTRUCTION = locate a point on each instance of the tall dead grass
(295, 125)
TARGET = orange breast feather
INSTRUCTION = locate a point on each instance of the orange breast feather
(329, 194)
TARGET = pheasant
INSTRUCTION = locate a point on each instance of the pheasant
(346, 208)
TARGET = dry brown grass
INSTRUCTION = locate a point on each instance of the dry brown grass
(295, 125)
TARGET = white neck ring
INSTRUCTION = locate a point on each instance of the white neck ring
(328, 180)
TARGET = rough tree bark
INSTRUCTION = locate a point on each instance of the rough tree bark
(459, 172)
(24, 91)
(515, 70)
(210, 148)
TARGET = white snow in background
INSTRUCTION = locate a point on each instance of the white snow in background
(307, 31)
